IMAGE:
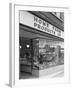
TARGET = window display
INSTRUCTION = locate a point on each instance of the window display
(47, 54)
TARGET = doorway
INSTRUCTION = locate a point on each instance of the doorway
(25, 57)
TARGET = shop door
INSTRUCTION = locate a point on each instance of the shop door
(26, 55)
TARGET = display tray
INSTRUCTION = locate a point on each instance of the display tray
(46, 65)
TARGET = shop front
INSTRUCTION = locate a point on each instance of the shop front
(41, 45)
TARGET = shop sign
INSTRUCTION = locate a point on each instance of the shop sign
(46, 27)
(33, 21)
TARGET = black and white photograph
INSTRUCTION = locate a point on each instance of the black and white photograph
(40, 53)
(41, 44)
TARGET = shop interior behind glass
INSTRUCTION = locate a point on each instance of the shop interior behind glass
(39, 54)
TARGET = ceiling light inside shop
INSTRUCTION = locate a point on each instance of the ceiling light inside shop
(20, 46)
(27, 46)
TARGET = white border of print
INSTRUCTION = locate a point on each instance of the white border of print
(14, 45)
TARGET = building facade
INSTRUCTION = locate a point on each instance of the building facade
(41, 40)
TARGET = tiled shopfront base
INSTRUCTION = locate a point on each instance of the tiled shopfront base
(48, 71)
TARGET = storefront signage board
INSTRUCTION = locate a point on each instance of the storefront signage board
(33, 21)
